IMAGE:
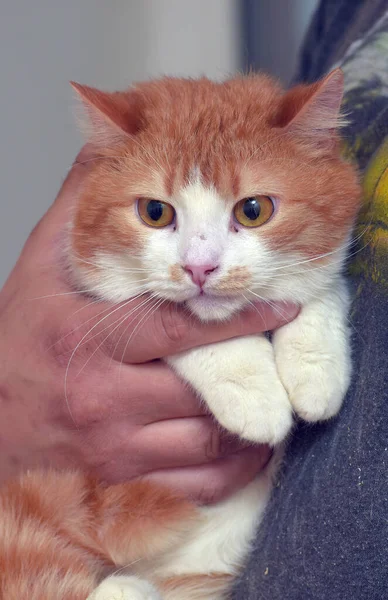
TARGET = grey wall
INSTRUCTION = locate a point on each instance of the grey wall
(275, 29)
(107, 43)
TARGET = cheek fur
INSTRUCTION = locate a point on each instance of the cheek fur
(236, 279)
(109, 229)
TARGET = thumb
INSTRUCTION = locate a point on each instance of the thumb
(156, 332)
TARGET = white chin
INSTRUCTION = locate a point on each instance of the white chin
(212, 308)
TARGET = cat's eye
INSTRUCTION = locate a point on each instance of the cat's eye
(155, 213)
(254, 211)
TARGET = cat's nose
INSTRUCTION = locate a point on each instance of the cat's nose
(199, 273)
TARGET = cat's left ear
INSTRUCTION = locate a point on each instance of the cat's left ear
(110, 117)
(313, 111)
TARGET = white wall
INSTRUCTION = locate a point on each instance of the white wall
(106, 43)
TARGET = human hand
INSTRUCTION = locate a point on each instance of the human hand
(73, 399)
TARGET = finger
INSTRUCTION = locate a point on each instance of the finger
(164, 397)
(184, 442)
(146, 393)
(121, 450)
(215, 481)
(170, 330)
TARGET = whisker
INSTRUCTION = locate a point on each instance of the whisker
(84, 162)
(60, 294)
(125, 567)
(315, 258)
(110, 324)
(157, 304)
(152, 297)
(75, 350)
(356, 330)
(270, 303)
(257, 309)
(93, 317)
(122, 320)
(125, 269)
(306, 272)
(142, 321)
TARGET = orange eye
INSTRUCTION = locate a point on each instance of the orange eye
(155, 213)
(254, 211)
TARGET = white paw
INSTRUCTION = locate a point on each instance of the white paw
(315, 374)
(125, 588)
(256, 409)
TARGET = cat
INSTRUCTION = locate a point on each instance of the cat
(211, 195)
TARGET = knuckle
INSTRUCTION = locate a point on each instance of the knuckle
(213, 444)
(173, 325)
(105, 451)
(86, 409)
(72, 342)
(82, 384)
(220, 444)
(95, 462)
(97, 450)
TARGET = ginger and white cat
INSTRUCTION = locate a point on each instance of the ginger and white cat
(211, 195)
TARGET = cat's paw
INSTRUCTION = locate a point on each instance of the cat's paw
(257, 410)
(125, 588)
(315, 374)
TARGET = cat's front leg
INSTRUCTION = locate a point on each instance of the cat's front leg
(313, 355)
(239, 382)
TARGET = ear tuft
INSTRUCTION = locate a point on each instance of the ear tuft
(110, 116)
(313, 111)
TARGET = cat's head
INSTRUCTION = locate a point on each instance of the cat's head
(214, 194)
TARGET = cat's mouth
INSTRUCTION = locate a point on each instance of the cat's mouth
(209, 307)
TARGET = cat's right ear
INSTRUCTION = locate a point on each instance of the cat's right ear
(313, 112)
(110, 117)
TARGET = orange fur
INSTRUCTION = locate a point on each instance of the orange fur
(237, 279)
(176, 272)
(60, 533)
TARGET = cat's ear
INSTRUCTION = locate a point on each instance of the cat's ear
(110, 116)
(313, 111)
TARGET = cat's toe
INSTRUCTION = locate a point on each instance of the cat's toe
(125, 588)
(269, 425)
(316, 387)
(259, 413)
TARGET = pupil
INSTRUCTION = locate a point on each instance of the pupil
(154, 210)
(251, 209)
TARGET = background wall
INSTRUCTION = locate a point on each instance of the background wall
(273, 33)
(45, 43)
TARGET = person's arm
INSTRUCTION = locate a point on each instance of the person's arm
(70, 399)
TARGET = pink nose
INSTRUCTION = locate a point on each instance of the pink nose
(198, 273)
